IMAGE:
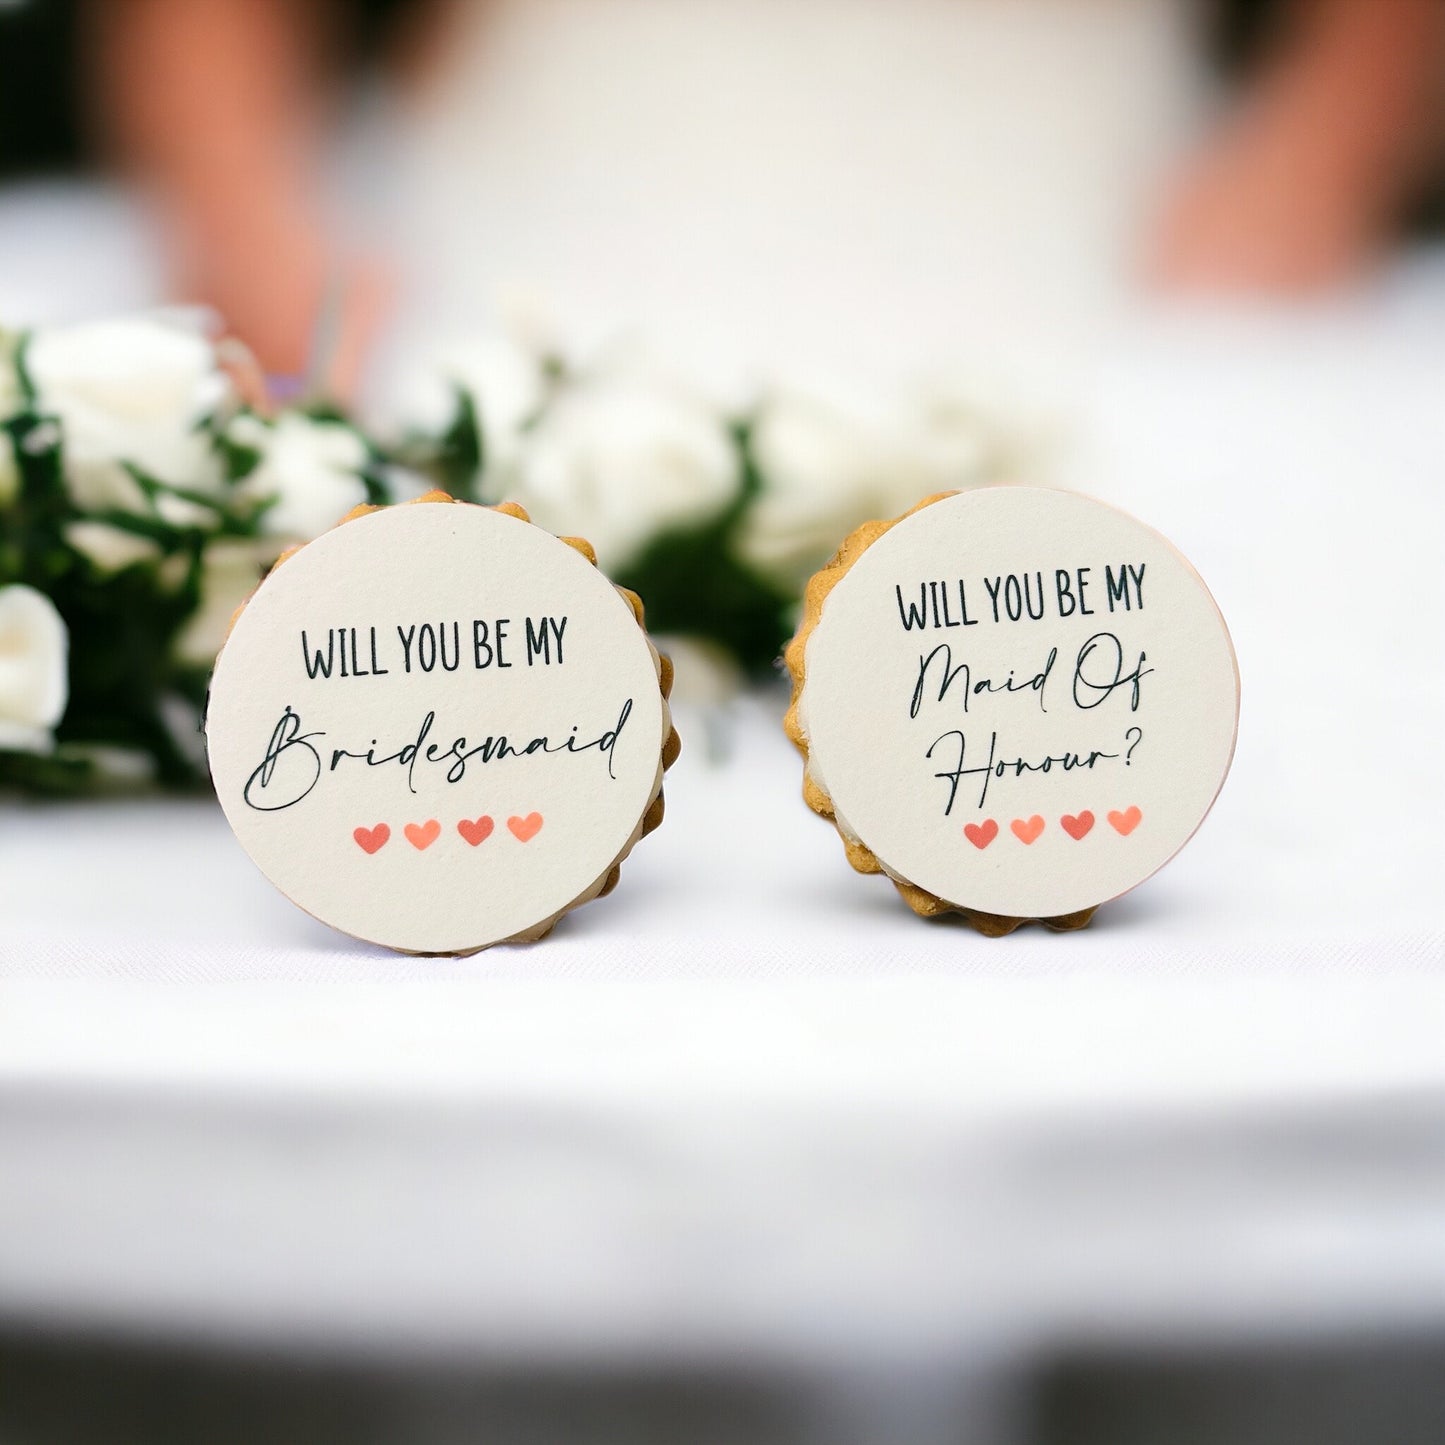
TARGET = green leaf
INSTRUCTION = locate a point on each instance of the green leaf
(32, 542)
(692, 580)
(22, 368)
(49, 774)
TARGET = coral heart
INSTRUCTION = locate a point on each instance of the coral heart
(475, 832)
(1125, 822)
(370, 839)
(981, 834)
(525, 828)
(422, 835)
(1076, 827)
(1026, 830)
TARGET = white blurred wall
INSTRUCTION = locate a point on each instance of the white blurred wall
(824, 187)
(838, 191)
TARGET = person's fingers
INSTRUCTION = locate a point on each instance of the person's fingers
(367, 297)
(1256, 216)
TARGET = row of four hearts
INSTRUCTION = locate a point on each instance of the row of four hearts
(1076, 825)
(475, 831)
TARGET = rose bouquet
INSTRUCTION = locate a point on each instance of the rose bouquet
(144, 491)
(140, 500)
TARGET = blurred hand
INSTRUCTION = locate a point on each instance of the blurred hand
(219, 109)
(309, 315)
(1270, 208)
(1300, 190)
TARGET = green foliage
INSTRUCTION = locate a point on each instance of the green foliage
(693, 581)
(122, 625)
(456, 460)
(129, 680)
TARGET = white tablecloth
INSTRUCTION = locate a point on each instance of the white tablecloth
(749, 1105)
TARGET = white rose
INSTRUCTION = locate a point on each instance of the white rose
(816, 465)
(33, 682)
(827, 470)
(505, 384)
(310, 467)
(110, 549)
(230, 573)
(617, 460)
(936, 440)
(135, 389)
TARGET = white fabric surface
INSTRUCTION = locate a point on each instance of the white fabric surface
(749, 1103)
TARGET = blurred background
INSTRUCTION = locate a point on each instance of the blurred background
(749, 1179)
(827, 188)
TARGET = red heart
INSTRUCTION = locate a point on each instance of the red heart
(422, 835)
(526, 828)
(475, 832)
(1124, 823)
(371, 839)
(981, 834)
(1026, 830)
(1077, 827)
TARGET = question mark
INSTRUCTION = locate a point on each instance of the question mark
(1139, 739)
